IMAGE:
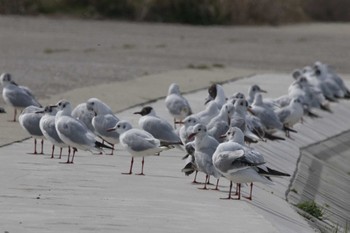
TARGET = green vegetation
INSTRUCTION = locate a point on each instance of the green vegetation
(205, 66)
(204, 12)
(311, 208)
(50, 51)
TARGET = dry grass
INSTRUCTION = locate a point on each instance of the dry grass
(204, 12)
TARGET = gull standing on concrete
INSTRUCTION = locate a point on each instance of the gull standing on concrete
(267, 116)
(158, 127)
(291, 114)
(216, 94)
(137, 142)
(221, 123)
(252, 91)
(81, 113)
(47, 127)
(176, 104)
(205, 146)
(18, 97)
(210, 111)
(104, 119)
(239, 120)
(73, 132)
(241, 164)
(30, 120)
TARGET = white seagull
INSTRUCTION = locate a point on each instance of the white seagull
(205, 146)
(47, 127)
(73, 132)
(176, 104)
(137, 142)
(158, 127)
(104, 119)
(30, 120)
(18, 97)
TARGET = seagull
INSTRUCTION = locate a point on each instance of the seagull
(176, 104)
(158, 127)
(221, 123)
(137, 142)
(81, 113)
(216, 94)
(104, 119)
(210, 111)
(186, 129)
(241, 164)
(47, 127)
(291, 114)
(267, 116)
(239, 120)
(252, 91)
(19, 97)
(29, 121)
(205, 146)
(73, 132)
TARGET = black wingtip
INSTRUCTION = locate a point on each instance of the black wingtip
(273, 137)
(100, 145)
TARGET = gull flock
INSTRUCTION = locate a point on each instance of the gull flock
(218, 140)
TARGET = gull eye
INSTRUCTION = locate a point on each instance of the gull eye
(118, 126)
(92, 103)
(64, 105)
(199, 129)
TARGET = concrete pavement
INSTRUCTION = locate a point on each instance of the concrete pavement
(42, 195)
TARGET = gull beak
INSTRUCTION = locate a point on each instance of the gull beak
(179, 122)
(191, 136)
(263, 91)
(111, 129)
(53, 106)
(137, 113)
(39, 112)
(208, 99)
(223, 136)
(249, 109)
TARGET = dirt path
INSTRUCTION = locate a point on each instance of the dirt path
(53, 55)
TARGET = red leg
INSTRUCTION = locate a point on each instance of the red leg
(130, 171)
(205, 183)
(35, 146)
(217, 185)
(53, 151)
(195, 178)
(42, 147)
(143, 162)
(229, 193)
(15, 114)
(251, 192)
(68, 156)
(74, 150)
(60, 153)
(112, 152)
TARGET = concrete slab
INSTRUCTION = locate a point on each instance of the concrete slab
(42, 195)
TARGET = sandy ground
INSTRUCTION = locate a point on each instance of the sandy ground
(54, 55)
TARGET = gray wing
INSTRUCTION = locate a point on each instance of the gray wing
(30, 122)
(226, 161)
(161, 130)
(49, 129)
(138, 140)
(219, 129)
(19, 97)
(103, 122)
(75, 131)
(238, 122)
(177, 105)
(283, 114)
(84, 115)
